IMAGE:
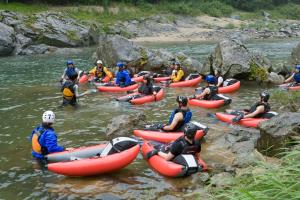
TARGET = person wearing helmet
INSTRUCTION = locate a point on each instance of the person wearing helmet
(294, 78)
(70, 90)
(178, 118)
(123, 78)
(210, 91)
(101, 73)
(257, 110)
(43, 137)
(169, 70)
(70, 69)
(185, 144)
(146, 88)
(178, 74)
(128, 69)
(219, 78)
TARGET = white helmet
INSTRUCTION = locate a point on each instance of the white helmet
(99, 62)
(48, 117)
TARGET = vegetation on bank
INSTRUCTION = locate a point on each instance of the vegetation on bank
(109, 11)
(290, 100)
(266, 181)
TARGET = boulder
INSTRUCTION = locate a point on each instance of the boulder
(222, 180)
(7, 40)
(112, 49)
(34, 49)
(236, 60)
(275, 78)
(22, 42)
(278, 133)
(248, 158)
(123, 125)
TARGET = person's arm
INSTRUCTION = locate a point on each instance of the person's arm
(118, 78)
(259, 109)
(220, 81)
(51, 143)
(127, 79)
(107, 72)
(166, 156)
(93, 71)
(176, 119)
(179, 76)
(205, 91)
(64, 73)
(290, 78)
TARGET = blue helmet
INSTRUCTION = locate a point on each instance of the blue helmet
(70, 62)
(120, 64)
(297, 67)
(210, 79)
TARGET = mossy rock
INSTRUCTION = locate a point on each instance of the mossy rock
(71, 34)
(144, 57)
(258, 73)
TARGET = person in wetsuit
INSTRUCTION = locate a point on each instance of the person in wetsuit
(70, 69)
(185, 144)
(294, 79)
(257, 110)
(177, 119)
(123, 79)
(210, 91)
(101, 73)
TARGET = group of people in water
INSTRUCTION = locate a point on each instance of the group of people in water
(44, 139)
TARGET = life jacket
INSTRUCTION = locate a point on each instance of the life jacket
(187, 115)
(213, 92)
(266, 106)
(68, 90)
(70, 71)
(187, 147)
(146, 89)
(297, 77)
(36, 147)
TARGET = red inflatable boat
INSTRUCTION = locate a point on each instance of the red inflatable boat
(145, 99)
(188, 83)
(230, 88)
(206, 103)
(164, 137)
(248, 122)
(159, 79)
(293, 88)
(117, 88)
(169, 168)
(95, 165)
(137, 79)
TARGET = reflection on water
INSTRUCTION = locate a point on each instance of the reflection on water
(29, 85)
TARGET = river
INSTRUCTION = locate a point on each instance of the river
(29, 86)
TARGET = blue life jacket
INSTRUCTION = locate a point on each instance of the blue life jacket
(297, 77)
(70, 71)
(48, 142)
(187, 115)
(123, 78)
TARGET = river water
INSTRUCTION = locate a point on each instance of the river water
(29, 86)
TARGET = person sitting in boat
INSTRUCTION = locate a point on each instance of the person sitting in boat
(210, 91)
(70, 69)
(259, 109)
(129, 70)
(101, 73)
(70, 90)
(219, 78)
(178, 74)
(185, 144)
(169, 70)
(145, 89)
(178, 118)
(123, 78)
(294, 78)
(44, 139)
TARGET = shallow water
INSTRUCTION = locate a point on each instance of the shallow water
(29, 85)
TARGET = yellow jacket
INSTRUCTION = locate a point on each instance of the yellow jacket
(178, 76)
(101, 74)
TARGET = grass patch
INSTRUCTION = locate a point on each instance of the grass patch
(24, 8)
(290, 100)
(274, 182)
(258, 73)
(229, 26)
(71, 34)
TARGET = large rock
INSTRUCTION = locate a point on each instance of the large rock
(112, 49)
(248, 158)
(236, 60)
(278, 132)
(222, 180)
(295, 55)
(275, 78)
(7, 39)
(123, 125)
(35, 49)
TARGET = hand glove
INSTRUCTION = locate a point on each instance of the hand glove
(151, 153)
(237, 118)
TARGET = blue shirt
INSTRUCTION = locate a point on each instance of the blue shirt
(47, 140)
(123, 78)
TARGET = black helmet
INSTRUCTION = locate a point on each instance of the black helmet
(190, 130)
(183, 100)
(73, 76)
(264, 95)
